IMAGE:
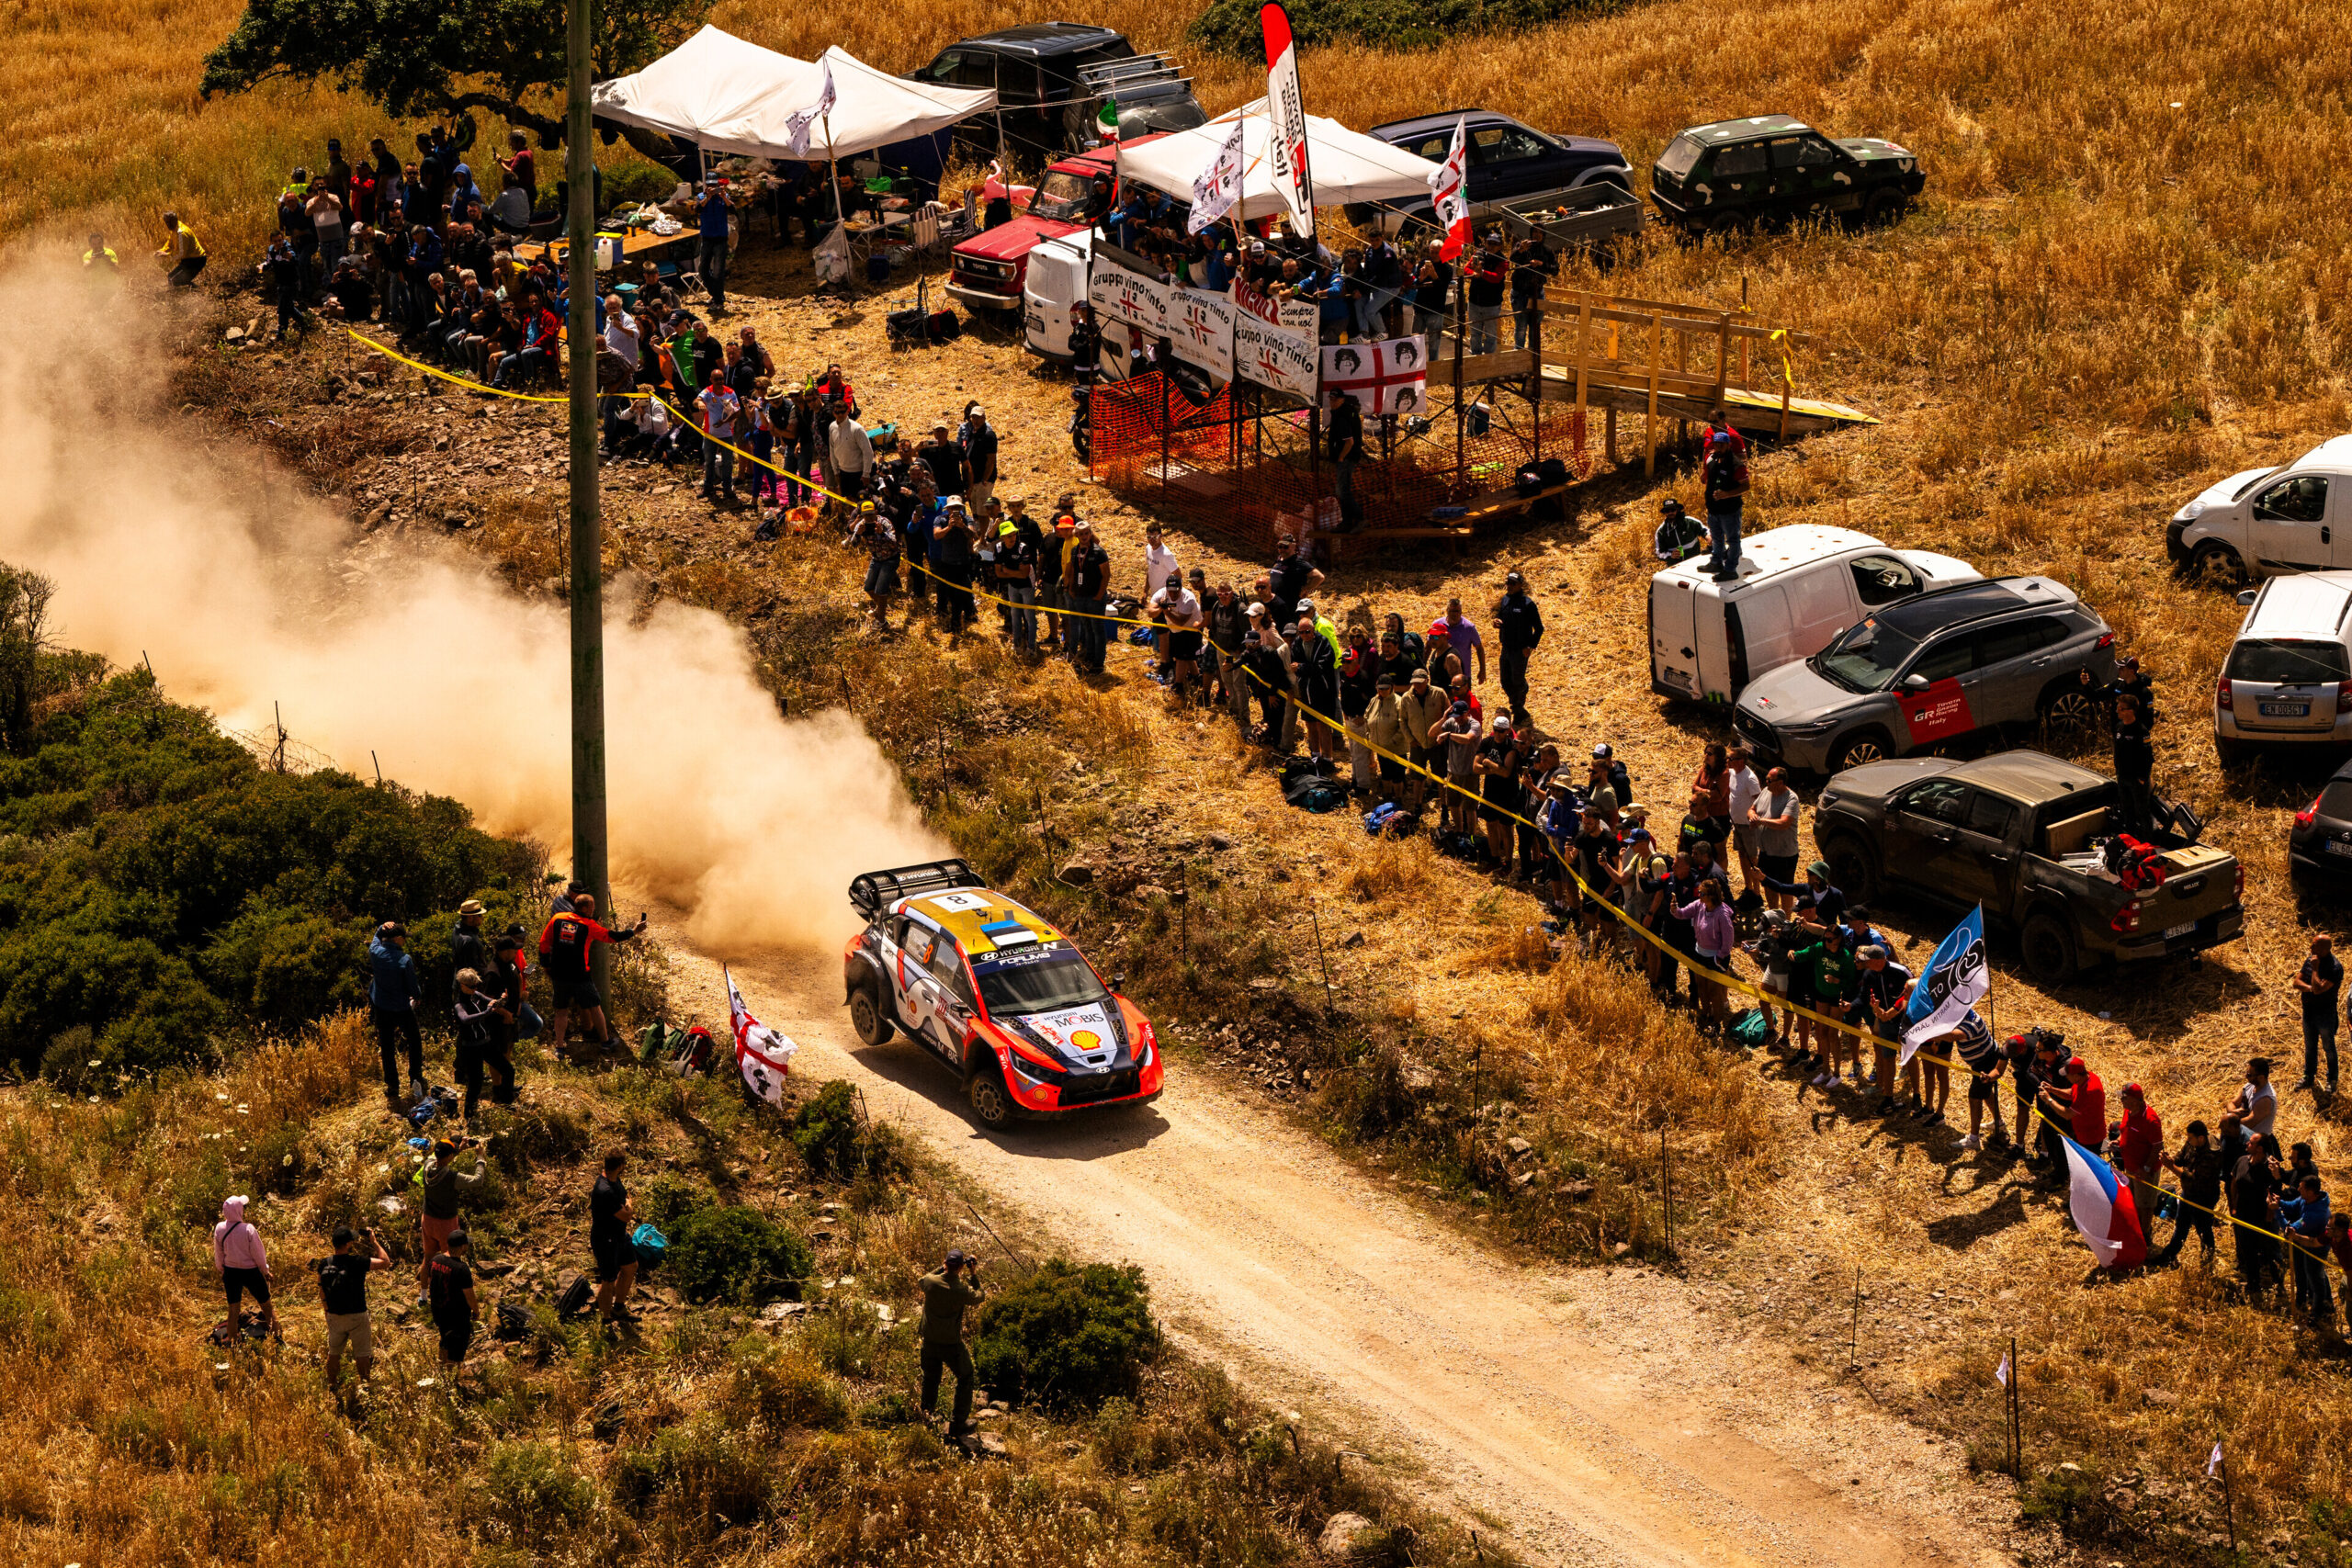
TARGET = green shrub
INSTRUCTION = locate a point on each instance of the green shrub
(525, 1138)
(524, 1493)
(637, 182)
(1068, 1335)
(666, 1200)
(1230, 27)
(835, 1139)
(782, 1389)
(736, 1254)
(705, 1471)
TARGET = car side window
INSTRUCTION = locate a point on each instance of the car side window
(974, 69)
(1814, 152)
(2302, 499)
(944, 69)
(1437, 148)
(1990, 815)
(1941, 799)
(918, 942)
(1747, 158)
(947, 967)
(1784, 151)
(1944, 661)
(2016, 639)
(1518, 144)
(1882, 579)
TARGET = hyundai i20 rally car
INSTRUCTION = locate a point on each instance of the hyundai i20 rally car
(996, 993)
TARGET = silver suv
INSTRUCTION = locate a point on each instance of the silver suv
(1916, 675)
(2289, 678)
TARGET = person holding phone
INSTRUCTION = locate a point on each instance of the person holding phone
(565, 945)
(343, 1284)
(946, 1291)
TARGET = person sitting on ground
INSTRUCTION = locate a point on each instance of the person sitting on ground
(242, 1263)
(565, 945)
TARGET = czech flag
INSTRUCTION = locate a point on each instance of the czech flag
(2103, 1210)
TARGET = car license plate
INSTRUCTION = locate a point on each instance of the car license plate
(2339, 847)
(2189, 930)
(2286, 710)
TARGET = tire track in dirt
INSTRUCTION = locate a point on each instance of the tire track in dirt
(1590, 1417)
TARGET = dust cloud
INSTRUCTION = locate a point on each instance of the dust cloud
(244, 592)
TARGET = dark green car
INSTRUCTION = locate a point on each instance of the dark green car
(1769, 168)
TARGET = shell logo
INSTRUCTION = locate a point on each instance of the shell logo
(1086, 1040)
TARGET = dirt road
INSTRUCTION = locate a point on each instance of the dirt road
(1605, 1417)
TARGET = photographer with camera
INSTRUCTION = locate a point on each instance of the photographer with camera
(442, 1184)
(343, 1283)
(946, 1292)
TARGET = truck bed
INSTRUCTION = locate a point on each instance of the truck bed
(1577, 218)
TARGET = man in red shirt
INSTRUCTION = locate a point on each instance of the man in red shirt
(564, 948)
(2139, 1152)
(2081, 1109)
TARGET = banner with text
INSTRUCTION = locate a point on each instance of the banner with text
(1274, 342)
(1200, 326)
(1137, 300)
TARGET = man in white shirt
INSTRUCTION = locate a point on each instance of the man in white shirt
(1746, 789)
(1159, 560)
(852, 452)
(622, 336)
(1178, 611)
(721, 414)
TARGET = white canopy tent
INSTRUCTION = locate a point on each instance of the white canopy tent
(1344, 165)
(732, 97)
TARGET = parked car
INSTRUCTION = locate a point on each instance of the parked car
(1050, 80)
(1931, 671)
(1510, 164)
(1053, 282)
(2020, 833)
(997, 994)
(988, 270)
(2320, 843)
(2265, 522)
(2288, 678)
(1771, 167)
(1798, 587)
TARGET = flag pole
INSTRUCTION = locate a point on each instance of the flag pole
(2016, 1428)
(840, 217)
(2228, 1510)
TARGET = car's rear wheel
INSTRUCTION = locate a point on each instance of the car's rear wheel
(991, 1100)
(1883, 208)
(865, 1016)
(2048, 948)
(1852, 869)
(1865, 746)
(2069, 712)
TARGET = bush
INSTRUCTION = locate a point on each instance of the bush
(1069, 1336)
(1230, 27)
(782, 1389)
(637, 182)
(736, 1254)
(704, 1472)
(835, 1140)
(526, 1492)
(667, 1200)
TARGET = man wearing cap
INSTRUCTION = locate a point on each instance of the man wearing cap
(1225, 621)
(343, 1285)
(1679, 536)
(1015, 567)
(567, 945)
(1265, 658)
(1726, 478)
(978, 441)
(449, 1294)
(394, 988)
(881, 542)
(1813, 901)
(1520, 625)
(1086, 579)
(943, 459)
(1886, 992)
(1177, 613)
(952, 546)
(1383, 732)
(1053, 544)
(1423, 708)
(1291, 579)
(946, 1291)
(1462, 633)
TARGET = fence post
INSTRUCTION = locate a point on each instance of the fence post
(1461, 392)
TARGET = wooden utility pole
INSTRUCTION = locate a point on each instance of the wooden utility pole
(588, 841)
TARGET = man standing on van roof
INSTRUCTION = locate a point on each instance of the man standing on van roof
(1726, 483)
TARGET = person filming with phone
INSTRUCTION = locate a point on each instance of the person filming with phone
(572, 934)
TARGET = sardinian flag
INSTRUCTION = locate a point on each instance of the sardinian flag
(1453, 199)
(796, 124)
(2001, 1372)
(1287, 120)
(2213, 1465)
(761, 1056)
(1218, 186)
(2103, 1209)
(1953, 982)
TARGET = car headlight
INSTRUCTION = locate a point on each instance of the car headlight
(1025, 1070)
(2190, 513)
(1810, 727)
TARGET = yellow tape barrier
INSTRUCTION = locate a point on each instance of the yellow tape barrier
(1718, 976)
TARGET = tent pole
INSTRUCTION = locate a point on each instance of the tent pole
(839, 216)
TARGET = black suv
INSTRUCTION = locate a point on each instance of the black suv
(1509, 162)
(1050, 80)
(1771, 167)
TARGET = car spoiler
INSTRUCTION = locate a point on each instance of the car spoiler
(875, 891)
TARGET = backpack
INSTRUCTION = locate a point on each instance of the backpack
(575, 1297)
(1311, 793)
(1750, 1028)
(513, 1322)
(651, 1245)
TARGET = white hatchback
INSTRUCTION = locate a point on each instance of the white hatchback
(2269, 522)
(2288, 679)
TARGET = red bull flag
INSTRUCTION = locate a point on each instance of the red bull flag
(761, 1056)
(1448, 180)
(1286, 118)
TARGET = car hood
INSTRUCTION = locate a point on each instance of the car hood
(1871, 148)
(1876, 781)
(1792, 694)
(1944, 572)
(1593, 145)
(1084, 1039)
(2220, 494)
(1011, 242)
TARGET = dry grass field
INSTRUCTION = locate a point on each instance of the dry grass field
(2125, 280)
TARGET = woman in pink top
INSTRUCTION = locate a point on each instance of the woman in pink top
(243, 1263)
(1712, 937)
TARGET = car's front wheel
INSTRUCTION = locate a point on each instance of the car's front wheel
(991, 1101)
(1865, 746)
(1851, 868)
(866, 1017)
(2215, 561)
(2069, 714)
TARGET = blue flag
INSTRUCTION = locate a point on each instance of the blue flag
(1954, 980)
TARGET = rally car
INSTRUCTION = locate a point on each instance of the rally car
(996, 993)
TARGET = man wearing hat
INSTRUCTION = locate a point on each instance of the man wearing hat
(1680, 535)
(1086, 579)
(951, 547)
(394, 989)
(1726, 478)
(1422, 707)
(946, 1291)
(469, 948)
(881, 542)
(1520, 626)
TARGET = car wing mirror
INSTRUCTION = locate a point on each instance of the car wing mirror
(1119, 984)
(1915, 682)
(2246, 596)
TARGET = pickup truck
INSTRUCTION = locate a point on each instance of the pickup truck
(2021, 834)
(986, 272)
(1510, 164)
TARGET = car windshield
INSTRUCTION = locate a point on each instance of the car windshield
(2288, 662)
(1867, 658)
(2239, 494)
(1061, 196)
(1680, 157)
(1040, 983)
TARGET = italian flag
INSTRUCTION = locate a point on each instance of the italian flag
(1106, 123)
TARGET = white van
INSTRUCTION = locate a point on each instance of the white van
(2267, 522)
(1798, 587)
(1053, 282)
(2288, 679)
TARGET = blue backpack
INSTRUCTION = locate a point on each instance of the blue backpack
(651, 1245)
